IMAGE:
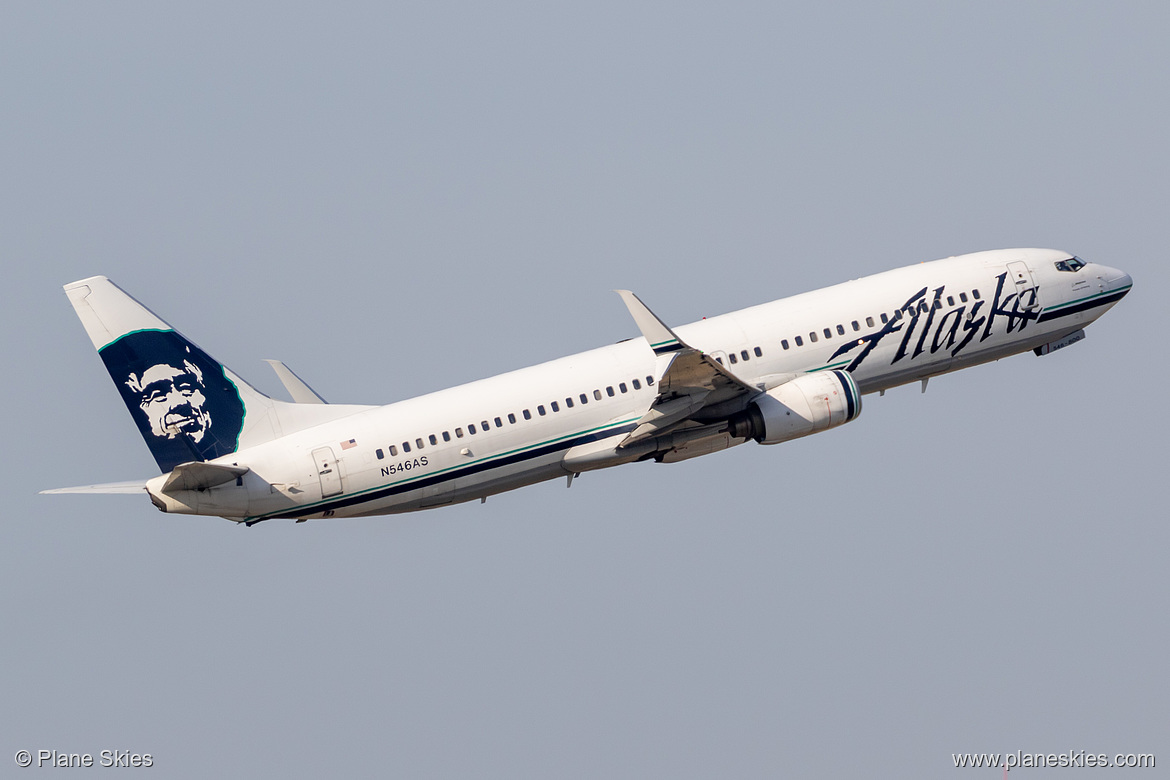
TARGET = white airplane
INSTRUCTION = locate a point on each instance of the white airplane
(769, 373)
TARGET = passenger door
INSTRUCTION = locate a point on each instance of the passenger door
(328, 471)
(1021, 276)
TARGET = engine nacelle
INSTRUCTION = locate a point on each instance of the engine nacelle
(808, 404)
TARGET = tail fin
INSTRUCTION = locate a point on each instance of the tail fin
(187, 405)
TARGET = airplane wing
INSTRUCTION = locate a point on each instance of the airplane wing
(690, 382)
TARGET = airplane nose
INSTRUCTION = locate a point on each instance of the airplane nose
(1115, 279)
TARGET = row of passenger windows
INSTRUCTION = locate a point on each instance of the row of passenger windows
(923, 307)
(743, 355)
(732, 357)
(498, 422)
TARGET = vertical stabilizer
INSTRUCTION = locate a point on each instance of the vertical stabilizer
(187, 405)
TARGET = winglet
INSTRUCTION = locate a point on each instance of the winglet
(299, 390)
(661, 338)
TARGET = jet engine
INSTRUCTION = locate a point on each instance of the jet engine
(808, 404)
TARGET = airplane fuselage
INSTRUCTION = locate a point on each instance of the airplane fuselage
(573, 414)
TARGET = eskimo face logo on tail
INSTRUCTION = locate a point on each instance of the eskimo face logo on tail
(173, 400)
(184, 405)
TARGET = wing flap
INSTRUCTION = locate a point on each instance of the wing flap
(664, 414)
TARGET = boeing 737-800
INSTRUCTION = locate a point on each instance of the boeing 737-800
(769, 373)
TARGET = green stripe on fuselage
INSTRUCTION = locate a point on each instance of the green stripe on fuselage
(429, 474)
(1060, 306)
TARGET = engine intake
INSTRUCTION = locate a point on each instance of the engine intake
(808, 404)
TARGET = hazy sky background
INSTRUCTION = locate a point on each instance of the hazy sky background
(397, 199)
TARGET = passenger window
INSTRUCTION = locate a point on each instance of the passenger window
(458, 433)
(637, 385)
(784, 343)
(622, 387)
(483, 426)
(433, 439)
(963, 297)
(885, 319)
(975, 293)
(568, 403)
(733, 359)
(584, 398)
(759, 352)
(609, 391)
(950, 300)
(393, 451)
(418, 443)
(743, 355)
(812, 337)
(379, 453)
(596, 395)
(922, 307)
(511, 418)
(406, 446)
(471, 429)
(527, 415)
(499, 423)
(446, 436)
(649, 380)
(555, 406)
(540, 410)
(828, 333)
(856, 325)
(840, 330)
(869, 322)
(799, 341)
(719, 360)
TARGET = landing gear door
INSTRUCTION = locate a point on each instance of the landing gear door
(327, 471)
(1021, 277)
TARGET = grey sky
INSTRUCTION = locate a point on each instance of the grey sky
(394, 200)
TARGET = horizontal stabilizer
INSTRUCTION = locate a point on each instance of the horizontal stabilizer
(199, 476)
(297, 388)
(133, 486)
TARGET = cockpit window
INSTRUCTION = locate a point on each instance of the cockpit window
(1073, 264)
